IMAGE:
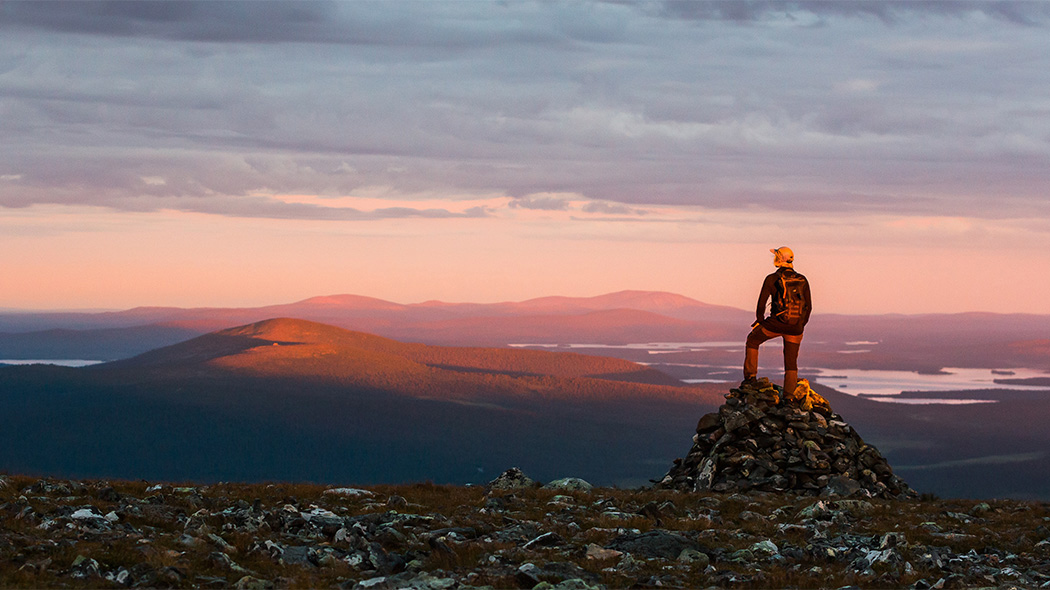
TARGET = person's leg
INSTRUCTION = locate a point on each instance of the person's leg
(754, 339)
(791, 346)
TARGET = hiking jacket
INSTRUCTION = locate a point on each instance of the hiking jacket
(769, 289)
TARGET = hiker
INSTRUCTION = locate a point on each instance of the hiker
(789, 311)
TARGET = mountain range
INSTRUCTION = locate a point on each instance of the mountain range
(924, 342)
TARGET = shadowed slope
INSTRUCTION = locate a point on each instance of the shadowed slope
(291, 399)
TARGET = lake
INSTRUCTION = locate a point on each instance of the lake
(58, 362)
(885, 385)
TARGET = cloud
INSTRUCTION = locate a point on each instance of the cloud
(887, 11)
(606, 208)
(365, 23)
(540, 202)
(833, 107)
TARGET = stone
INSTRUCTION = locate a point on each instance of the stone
(404, 581)
(597, 552)
(576, 584)
(766, 547)
(658, 543)
(705, 478)
(548, 539)
(694, 557)
(349, 492)
(252, 583)
(299, 555)
(527, 575)
(512, 479)
(569, 484)
(980, 509)
(708, 422)
(108, 494)
(761, 538)
(88, 513)
(840, 485)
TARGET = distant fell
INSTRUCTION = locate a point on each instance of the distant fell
(301, 349)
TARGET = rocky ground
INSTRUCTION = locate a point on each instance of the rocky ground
(511, 534)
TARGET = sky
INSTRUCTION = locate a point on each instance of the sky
(250, 153)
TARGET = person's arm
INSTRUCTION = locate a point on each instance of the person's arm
(807, 304)
(763, 297)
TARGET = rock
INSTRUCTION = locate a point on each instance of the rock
(404, 581)
(980, 509)
(349, 492)
(84, 567)
(597, 552)
(892, 540)
(706, 476)
(88, 513)
(708, 422)
(322, 517)
(816, 510)
(221, 543)
(527, 575)
(692, 556)
(512, 479)
(658, 543)
(562, 572)
(840, 485)
(299, 555)
(766, 547)
(548, 539)
(569, 484)
(575, 584)
(108, 494)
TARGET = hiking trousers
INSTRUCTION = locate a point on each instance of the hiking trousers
(791, 346)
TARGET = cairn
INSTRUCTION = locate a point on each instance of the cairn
(762, 440)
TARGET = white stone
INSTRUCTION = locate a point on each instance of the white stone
(350, 492)
(86, 514)
(569, 483)
(321, 513)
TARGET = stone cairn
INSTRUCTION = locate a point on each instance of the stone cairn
(762, 440)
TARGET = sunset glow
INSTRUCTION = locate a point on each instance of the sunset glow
(481, 152)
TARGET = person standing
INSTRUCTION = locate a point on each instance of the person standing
(790, 305)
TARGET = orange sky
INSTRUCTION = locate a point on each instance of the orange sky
(59, 257)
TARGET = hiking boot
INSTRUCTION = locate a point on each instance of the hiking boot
(749, 381)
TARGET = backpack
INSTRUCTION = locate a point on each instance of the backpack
(789, 297)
